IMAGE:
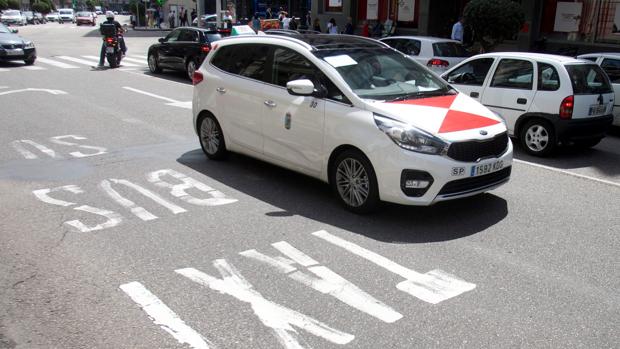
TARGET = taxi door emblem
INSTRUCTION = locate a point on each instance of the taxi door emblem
(483, 132)
(314, 103)
(287, 121)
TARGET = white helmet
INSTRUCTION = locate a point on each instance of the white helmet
(109, 15)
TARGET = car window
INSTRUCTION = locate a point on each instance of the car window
(588, 79)
(513, 73)
(211, 37)
(188, 36)
(407, 46)
(449, 49)
(289, 65)
(247, 60)
(471, 73)
(173, 36)
(612, 68)
(548, 78)
(592, 59)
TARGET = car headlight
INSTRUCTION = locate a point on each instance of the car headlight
(29, 44)
(409, 137)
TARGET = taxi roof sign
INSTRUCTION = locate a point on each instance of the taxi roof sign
(242, 30)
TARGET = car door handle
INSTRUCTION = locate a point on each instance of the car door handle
(521, 101)
(221, 90)
(270, 104)
(474, 94)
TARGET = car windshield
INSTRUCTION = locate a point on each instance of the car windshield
(65, 12)
(212, 37)
(84, 14)
(11, 13)
(4, 29)
(28, 13)
(449, 49)
(588, 79)
(383, 74)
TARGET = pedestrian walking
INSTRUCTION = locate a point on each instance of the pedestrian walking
(193, 15)
(348, 28)
(268, 14)
(365, 29)
(156, 16)
(185, 18)
(457, 30)
(293, 24)
(256, 22)
(308, 20)
(286, 21)
(332, 28)
(317, 25)
(171, 17)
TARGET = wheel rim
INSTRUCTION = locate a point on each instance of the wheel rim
(352, 182)
(191, 68)
(210, 136)
(152, 63)
(536, 138)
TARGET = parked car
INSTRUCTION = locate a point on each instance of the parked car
(13, 17)
(85, 17)
(52, 16)
(30, 19)
(14, 48)
(438, 54)
(206, 21)
(610, 63)
(39, 18)
(352, 112)
(66, 15)
(545, 100)
(183, 49)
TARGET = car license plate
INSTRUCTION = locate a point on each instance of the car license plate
(479, 170)
(15, 52)
(109, 49)
(597, 109)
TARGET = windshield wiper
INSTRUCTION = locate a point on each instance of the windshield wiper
(423, 94)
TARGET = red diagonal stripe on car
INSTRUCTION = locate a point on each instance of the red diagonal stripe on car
(458, 121)
(439, 102)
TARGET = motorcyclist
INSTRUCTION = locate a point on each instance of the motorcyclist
(119, 30)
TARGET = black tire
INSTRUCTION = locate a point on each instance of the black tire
(212, 138)
(153, 63)
(587, 143)
(354, 201)
(190, 67)
(538, 138)
(112, 60)
(29, 61)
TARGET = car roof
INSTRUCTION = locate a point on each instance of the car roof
(538, 56)
(204, 30)
(421, 38)
(316, 42)
(601, 54)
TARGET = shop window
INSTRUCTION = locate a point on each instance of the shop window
(333, 5)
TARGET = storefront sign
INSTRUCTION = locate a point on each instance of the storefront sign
(335, 3)
(567, 17)
(372, 9)
(405, 10)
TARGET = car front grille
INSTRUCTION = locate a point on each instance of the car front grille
(471, 151)
(12, 46)
(468, 185)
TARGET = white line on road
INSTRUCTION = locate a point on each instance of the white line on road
(603, 181)
(164, 316)
(141, 61)
(4, 69)
(54, 92)
(150, 76)
(56, 63)
(79, 60)
(32, 67)
(171, 102)
(122, 63)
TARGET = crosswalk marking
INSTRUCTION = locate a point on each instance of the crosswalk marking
(123, 63)
(135, 60)
(32, 67)
(56, 63)
(4, 69)
(79, 60)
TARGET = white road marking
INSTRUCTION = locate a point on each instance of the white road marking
(164, 316)
(28, 154)
(77, 154)
(150, 76)
(180, 190)
(122, 62)
(277, 317)
(432, 287)
(41, 194)
(56, 63)
(139, 211)
(79, 60)
(141, 57)
(603, 181)
(32, 67)
(171, 102)
(53, 92)
(141, 61)
(113, 219)
(327, 282)
(4, 69)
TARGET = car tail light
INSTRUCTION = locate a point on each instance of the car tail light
(566, 108)
(436, 62)
(109, 40)
(197, 78)
(205, 48)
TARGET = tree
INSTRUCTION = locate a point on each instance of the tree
(3, 5)
(90, 5)
(41, 6)
(492, 21)
(13, 4)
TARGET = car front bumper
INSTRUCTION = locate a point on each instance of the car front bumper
(28, 53)
(450, 179)
(583, 129)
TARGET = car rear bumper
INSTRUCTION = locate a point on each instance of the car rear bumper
(583, 129)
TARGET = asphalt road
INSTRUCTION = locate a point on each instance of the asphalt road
(534, 264)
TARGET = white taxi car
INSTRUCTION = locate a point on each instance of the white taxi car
(545, 100)
(352, 112)
(610, 63)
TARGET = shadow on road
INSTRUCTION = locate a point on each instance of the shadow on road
(130, 33)
(296, 194)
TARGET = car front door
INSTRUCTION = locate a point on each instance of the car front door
(187, 43)
(165, 49)
(611, 66)
(293, 125)
(511, 90)
(470, 77)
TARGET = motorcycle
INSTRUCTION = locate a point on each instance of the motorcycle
(113, 51)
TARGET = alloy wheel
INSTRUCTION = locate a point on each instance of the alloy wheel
(352, 182)
(191, 68)
(537, 138)
(210, 136)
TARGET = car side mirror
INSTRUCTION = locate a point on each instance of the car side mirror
(14, 31)
(161, 40)
(302, 87)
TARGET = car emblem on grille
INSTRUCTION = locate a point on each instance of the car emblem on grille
(600, 99)
(483, 132)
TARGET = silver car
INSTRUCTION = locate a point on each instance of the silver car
(438, 54)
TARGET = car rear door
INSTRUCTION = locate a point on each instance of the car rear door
(187, 41)
(511, 89)
(470, 77)
(611, 66)
(165, 49)
(593, 94)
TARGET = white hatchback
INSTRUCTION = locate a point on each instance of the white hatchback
(352, 112)
(610, 63)
(545, 100)
(438, 54)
